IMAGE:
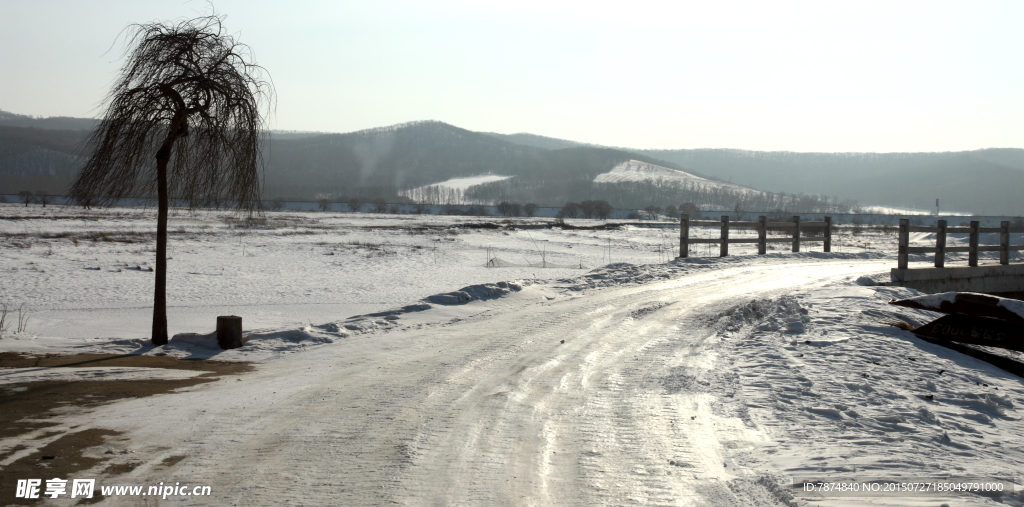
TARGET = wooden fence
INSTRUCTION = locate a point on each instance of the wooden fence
(940, 249)
(761, 226)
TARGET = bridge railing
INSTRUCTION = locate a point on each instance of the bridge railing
(941, 229)
(762, 225)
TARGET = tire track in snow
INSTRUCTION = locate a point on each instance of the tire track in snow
(592, 439)
(489, 410)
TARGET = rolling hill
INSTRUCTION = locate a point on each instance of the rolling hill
(985, 182)
(45, 153)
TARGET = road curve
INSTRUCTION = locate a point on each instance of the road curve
(488, 407)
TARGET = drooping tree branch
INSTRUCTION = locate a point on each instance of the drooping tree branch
(189, 96)
(194, 85)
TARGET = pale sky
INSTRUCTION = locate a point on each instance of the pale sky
(798, 76)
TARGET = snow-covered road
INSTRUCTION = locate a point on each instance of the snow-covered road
(699, 381)
(482, 404)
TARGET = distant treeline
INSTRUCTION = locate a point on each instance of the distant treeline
(435, 194)
(38, 159)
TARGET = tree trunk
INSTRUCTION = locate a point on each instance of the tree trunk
(160, 294)
(178, 128)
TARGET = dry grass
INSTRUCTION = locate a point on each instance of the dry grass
(7, 321)
(26, 240)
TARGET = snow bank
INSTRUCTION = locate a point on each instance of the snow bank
(261, 345)
(475, 292)
(1013, 305)
(621, 273)
(844, 394)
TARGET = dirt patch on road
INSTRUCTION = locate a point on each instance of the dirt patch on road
(61, 459)
(18, 360)
(27, 407)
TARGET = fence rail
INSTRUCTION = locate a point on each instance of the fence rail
(761, 226)
(940, 249)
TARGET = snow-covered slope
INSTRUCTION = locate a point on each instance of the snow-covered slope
(469, 181)
(635, 170)
(450, 191)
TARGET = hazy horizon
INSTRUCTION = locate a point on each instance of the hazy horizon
(798, 77)
(577, 141)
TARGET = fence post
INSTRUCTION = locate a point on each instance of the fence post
(724, 250)
(684, 235)
(940, 245)
(1004, 242)
(904, 242)
(796, 233)
(828, 234)
(762, 235)
(972, 255)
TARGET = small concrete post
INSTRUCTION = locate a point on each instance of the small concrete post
(828, 234)
(940, 245)
(1004, 242)
(972, 255)
(684, 235)
(904, 242)
(229, 332)
(796, 233)
(724, 250)
(762, 235)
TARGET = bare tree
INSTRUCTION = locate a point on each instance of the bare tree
(85, 201)
(588, 208)
(505, 208)
(43, 198)
(690, 209)
(324, 204)
(603, 209)
(26, 197)
(190, 95)
(570, 210)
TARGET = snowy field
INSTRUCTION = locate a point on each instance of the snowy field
(615, 375)
(86, 274)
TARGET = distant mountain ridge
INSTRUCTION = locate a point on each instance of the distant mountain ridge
(547, 143)
(389, 159)
(43, 153)
(8, 119)
(985, 182)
